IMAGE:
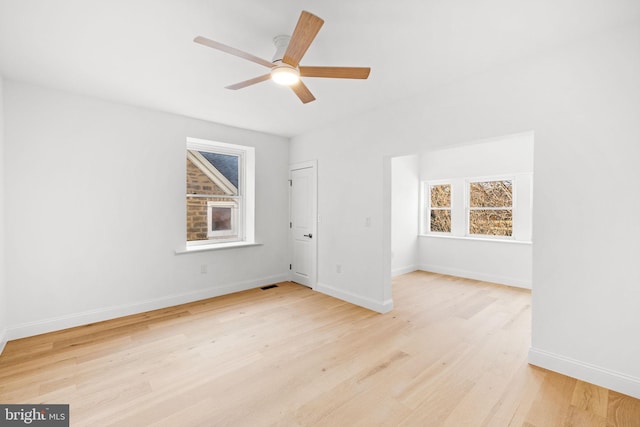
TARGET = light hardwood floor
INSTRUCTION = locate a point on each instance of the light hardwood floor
(452, 353)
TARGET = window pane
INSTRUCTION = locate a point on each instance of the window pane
(441, 221)
(226, 164)
(490, 194)
(212, 173)
(220, 219)
(441, 196)
(491, 222)
(199, 183)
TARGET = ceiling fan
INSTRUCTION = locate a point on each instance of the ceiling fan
(285, 68)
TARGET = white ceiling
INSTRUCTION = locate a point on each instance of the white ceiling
(141, 52)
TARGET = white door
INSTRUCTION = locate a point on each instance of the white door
(303, 219)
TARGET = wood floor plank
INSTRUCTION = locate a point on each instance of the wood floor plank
(453, 352)
(512, 407)
(590, 398)
(622, 411)
(553, 404)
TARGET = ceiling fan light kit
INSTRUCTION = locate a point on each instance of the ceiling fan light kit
(285, 74)
(285, 67)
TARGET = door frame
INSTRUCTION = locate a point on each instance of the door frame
(313, 165)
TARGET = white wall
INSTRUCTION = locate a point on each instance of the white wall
(350, 207)
(506, 262)
(586, 277)
(95, 209)
(405, 187)
(583, 102)
(3, 297)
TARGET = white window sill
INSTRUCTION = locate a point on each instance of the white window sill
(479, 239)
(215, 247)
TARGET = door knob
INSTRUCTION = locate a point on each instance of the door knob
(309, 235)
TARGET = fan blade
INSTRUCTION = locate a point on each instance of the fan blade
(303, 92)
(336, 72)
(249, 82)
(304, 33)
(232, 50)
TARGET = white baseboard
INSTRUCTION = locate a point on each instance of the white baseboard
(379, 306)
(403, 270)
(98, 315)
(503, 280)
(3, 339)
(586, 372)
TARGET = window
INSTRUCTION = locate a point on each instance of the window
(487, 208)
(439, 212)
(219, 199)
(222, 219)
(490, 207)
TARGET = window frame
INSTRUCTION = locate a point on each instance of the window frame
(427, 208)
(468, 208)
(245, 199)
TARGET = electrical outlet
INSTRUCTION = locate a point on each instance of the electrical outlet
(367, 222)
(203, 269)
(338, 268)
